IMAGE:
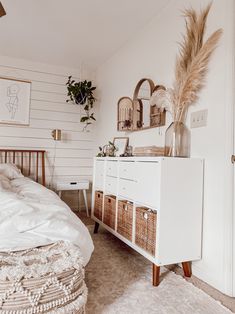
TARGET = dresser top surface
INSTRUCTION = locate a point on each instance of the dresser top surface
(144, 158)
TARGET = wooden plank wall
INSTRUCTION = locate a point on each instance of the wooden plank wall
(49, 110)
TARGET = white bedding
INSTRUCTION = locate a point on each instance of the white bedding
(31, 216)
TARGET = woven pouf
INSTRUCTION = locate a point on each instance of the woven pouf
(48, 279)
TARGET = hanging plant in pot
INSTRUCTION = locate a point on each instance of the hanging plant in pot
(81, 93)
(190, 75)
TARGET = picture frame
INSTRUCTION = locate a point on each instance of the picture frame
(15, 98)
(121, 144)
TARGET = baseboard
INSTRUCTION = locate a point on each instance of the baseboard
(204, 275)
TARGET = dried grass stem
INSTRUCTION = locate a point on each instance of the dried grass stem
(192, 62)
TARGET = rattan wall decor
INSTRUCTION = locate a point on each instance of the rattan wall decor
(142, 111)
(125, 114)
(157, 115)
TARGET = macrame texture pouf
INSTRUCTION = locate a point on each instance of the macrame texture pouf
(48, 279)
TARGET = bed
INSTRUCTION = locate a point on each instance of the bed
(44, 247)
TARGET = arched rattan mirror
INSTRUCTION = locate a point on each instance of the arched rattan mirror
(145, 110)
(141, 102)
(125, 114)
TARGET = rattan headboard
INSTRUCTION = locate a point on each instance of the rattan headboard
(26, 160)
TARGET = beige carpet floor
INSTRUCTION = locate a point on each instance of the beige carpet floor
(119, 281)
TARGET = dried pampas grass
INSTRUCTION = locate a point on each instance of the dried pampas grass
(192, 62)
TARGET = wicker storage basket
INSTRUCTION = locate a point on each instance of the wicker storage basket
(125, 219)
(98, 204)
(145, 230)
(109, 210)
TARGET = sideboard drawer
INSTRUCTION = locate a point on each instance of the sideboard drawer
(99, 174)
(127, 189)
(127, 170)
(148, 183)
(112, 168)
(111, 185)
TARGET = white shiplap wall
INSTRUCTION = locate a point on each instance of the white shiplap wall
(49, 111)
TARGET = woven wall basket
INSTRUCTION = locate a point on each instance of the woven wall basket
(49, 279)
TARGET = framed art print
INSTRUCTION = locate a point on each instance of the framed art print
(121, 144)
(14, 101)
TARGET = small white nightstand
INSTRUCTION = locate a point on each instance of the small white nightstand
(74, 185)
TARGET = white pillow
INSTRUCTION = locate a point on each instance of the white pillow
(10, 171)
(5, 183)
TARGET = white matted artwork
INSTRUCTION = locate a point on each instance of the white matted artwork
(14, 101)
(121, 144)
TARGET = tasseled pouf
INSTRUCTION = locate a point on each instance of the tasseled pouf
(48, 279)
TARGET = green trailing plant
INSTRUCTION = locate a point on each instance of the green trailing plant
(81, 93)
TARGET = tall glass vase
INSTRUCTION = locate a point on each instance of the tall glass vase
(177, 140)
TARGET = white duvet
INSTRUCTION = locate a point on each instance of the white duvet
(31, 216)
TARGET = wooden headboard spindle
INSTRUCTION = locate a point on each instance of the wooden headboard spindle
(29, 164)
(7, 153)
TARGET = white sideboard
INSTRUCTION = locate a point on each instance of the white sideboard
(173, 187)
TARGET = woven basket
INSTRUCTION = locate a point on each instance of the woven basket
(109, 210)
(145, 230)
(125, 219)
(98, 204)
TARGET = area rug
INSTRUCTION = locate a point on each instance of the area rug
(119, 282)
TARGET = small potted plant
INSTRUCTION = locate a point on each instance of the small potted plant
(107, 150)
(81, 93)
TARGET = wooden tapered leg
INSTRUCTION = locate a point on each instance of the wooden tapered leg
(156, 275)
(96, 227)
(187, 269)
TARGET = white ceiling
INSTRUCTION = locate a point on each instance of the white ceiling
(66, 32)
